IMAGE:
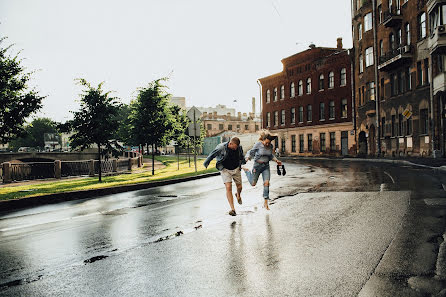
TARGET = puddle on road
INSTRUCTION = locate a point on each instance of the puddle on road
(19, 282)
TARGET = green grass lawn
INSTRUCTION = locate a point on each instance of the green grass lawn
(171, 171)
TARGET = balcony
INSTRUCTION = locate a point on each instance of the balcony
(392, 18)
(395, 58)
(439, 83)
(437, 40)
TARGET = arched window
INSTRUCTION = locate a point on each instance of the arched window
(275, 94)
(321, 82)
(407, 34)
(331, 80)
(300, 89)
(268, 96)
(292, 90)
(309, 85)
(391, 41)
(282, 92)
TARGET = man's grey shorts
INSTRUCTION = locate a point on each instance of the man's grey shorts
(229, 175)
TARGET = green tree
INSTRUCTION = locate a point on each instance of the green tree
(34, 132)
(181, 123)
(17, 101)
(151, 119)
(123, 131)
(96, 121)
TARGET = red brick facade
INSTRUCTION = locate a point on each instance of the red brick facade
(329, 70)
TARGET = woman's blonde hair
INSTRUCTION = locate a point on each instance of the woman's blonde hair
(264, 134)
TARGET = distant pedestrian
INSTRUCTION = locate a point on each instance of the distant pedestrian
(262, 153)
(229, 156)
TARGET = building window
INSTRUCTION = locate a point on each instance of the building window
(238, 127)
(359, 97)
(310, 142)
(380, 14)
(220, 127)
(309, 113)
(301, 143)
(246, 127)
(282, 118)
(372, 90)
(419, 74)
(293, 115)
(426, 71)
(331, 80)
(359, 31)
(332, 141)
(309, 85)
(368, 56)
(282, 144)
(390, 5)
(293, 143)
(394, 84)
(275, 94)
(230, 127)
(398, 38)
(383, 125)
(301, 114)
(209, 126)
(400, 125)
(322, 111)
(276, 118)
(321, 82)
(344, 108)
(332, 109)
(393, 126)
(381, 48)
(407, 27)
(268, 119)
(424, 121)
(282, 92)
(422, 26)
(368, 25)
(392, 41)
(257, 127)
(322, 138)
(300, 89)
(409, 126)
(268, 96)
(343, 77)
(292, 90)
(361, 64)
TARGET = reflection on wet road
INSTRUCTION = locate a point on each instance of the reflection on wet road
(329, 225)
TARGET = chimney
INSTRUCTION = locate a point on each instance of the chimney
(254, 105)
(339, 43)
(215, 114)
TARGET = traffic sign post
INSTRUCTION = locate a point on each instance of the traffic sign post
(194, 128)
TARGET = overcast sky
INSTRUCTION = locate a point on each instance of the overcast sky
(214, 51)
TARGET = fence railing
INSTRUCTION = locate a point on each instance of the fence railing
(40, 170)
(75, 168)
(34, 170)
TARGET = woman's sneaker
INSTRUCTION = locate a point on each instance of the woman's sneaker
(232, 213)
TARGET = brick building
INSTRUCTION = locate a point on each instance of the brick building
(395, 56)
(309, 103)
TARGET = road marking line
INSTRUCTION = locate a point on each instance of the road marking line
(393, 181)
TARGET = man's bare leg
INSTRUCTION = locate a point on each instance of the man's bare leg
(229, 195)
(239, 191)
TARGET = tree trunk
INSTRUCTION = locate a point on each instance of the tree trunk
(153, 160)
(99, 155)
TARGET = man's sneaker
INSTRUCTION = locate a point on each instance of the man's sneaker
(232, 213)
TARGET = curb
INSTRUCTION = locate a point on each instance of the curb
(401, 162)
(19, 203)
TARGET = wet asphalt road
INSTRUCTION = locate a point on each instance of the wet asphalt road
(329, 226)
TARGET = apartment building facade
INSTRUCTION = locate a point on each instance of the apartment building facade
(397, 51)
(309, 103)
